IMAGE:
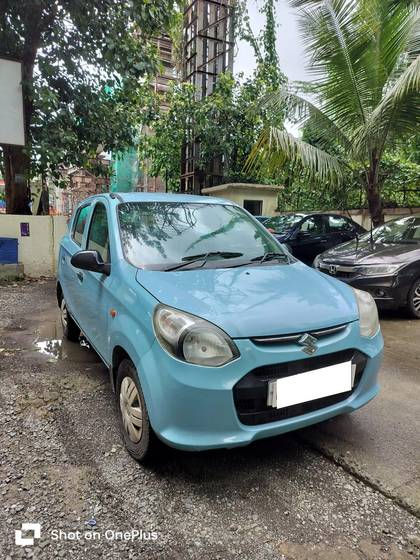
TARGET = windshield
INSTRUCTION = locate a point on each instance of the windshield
(157, 235)
(402, 230)
(281, 223)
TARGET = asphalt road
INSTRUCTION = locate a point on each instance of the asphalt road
(347, 489)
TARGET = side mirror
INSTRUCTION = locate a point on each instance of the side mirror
(90, 260)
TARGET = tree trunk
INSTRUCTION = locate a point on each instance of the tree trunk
(16, 166)
(373, 192)
(375, 205)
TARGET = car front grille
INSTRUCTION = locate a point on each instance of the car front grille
(286, 338)
(338, 271)
(250, 393)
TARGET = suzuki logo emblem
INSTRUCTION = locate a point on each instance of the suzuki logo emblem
(309, 343)
(332, 269)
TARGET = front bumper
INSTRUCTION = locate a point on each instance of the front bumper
(193, 408)
(388, 291)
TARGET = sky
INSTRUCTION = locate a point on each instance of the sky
(289, 44)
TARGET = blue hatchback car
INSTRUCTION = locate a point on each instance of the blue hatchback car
(214, 335)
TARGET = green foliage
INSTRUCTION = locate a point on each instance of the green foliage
(366, 64)
(84, 64)
(160, 153)
(224, 125)
(263, 45)
(401, 182)
(400, 187)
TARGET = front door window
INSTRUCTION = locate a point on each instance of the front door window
(314, 225)
(98, 238)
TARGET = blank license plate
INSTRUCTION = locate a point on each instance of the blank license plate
(311, 385)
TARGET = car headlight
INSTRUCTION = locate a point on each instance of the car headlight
(317, 262)
(368, 313)
(379, 269)
(191, 338)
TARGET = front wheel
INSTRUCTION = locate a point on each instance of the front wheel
(70, 329)
(135, 427)
(413, 303)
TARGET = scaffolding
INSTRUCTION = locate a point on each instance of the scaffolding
(128, 176)
(208, 52)
(161, 85)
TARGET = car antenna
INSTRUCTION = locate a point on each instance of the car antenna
(356, 232)
(371, 231)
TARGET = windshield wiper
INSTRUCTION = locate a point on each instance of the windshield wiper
(203, 257)
(263, 258)
(270, 256)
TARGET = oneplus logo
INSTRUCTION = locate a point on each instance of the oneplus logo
(29, 540)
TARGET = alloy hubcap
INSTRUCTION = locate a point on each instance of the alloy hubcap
(416, 299)
(131, 409)
(64, 316)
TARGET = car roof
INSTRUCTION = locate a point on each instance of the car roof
(124, 197)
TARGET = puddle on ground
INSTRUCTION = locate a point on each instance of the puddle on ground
(50, 342)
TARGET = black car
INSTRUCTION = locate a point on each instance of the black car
(308, 235)
(385, 263)
(262, 219)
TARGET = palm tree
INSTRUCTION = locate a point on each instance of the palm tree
(364, 56)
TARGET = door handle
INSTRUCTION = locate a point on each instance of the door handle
(80, 276)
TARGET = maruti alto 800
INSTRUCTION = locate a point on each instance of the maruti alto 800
(213, 333)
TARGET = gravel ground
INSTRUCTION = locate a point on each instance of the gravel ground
(62, 463)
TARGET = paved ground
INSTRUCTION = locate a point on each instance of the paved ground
(381, 443)
(287, 498)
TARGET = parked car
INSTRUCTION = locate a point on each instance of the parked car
(308, 235)
(385, 263)
(214, 336)
(262, 219)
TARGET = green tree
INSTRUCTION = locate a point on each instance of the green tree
(83, 61)
(365, 59)
(222, 125)
(263, 45)
(224, 128)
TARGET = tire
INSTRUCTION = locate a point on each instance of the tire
(136, 431)
(413, 303)
(70, 329)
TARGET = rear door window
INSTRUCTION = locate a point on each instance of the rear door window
(80, 224)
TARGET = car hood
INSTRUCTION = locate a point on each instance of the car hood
(364, 252)
(256, 300)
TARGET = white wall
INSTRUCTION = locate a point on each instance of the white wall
(38, 253)
(362, 216)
